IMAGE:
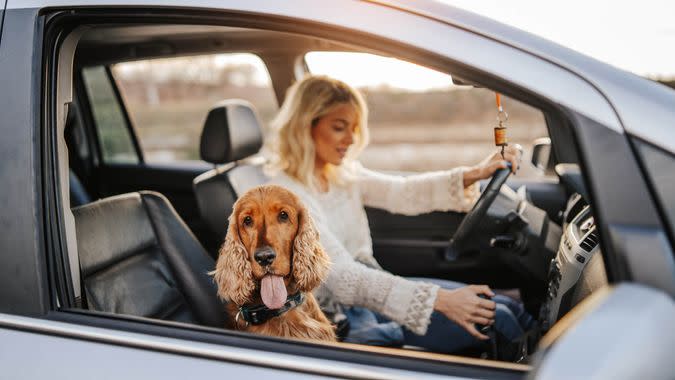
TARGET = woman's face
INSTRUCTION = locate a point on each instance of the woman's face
(333, 134)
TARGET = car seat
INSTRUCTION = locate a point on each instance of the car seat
(137, 257)
(231, 134)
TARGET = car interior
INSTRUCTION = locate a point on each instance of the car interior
(147, 232)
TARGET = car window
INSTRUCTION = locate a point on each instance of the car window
(168, 99)
(113, 133)
(420, 117)
(659, 164)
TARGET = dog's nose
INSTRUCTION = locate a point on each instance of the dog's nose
(264, 256)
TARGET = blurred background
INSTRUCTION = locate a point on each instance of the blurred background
(419, 120)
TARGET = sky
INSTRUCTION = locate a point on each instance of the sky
(638, 36)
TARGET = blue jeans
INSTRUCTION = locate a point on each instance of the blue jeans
(443, 335)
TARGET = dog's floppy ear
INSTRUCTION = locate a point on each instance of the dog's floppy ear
(233, 273)
(310, 262)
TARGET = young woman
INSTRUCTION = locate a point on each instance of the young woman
(321, 129)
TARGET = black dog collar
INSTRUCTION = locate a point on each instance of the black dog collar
(259, 314)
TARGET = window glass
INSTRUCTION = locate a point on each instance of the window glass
(418, 116)
(168, 99)
(115, 139)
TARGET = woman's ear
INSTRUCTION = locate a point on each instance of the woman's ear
(233, 269)
(310, 262)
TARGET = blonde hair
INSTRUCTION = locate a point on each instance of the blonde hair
(292, 148)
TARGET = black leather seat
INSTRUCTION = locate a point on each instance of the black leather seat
(137, 257)
(231, 133)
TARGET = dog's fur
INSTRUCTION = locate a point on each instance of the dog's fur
(300, 259)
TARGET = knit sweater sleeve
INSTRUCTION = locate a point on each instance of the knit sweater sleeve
(350, 282)
(419, 193)
(407, 302)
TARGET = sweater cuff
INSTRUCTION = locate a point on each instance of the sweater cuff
(414, 302)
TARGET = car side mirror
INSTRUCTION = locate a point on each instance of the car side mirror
(542, 158)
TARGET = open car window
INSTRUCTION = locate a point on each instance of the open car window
(418, 115)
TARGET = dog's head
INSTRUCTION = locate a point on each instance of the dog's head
(271, 245)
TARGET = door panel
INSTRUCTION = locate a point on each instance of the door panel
(411, 245)
(415, 245)
(172, 351)
(141, 361)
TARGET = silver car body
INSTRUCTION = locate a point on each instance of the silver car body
(617, 100)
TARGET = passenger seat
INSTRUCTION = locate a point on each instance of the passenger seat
(137, 257)
(231, 133)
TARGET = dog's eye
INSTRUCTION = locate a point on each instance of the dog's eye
(283, 216)
(248, 221)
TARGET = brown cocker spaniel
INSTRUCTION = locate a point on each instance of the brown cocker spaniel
(270, 263)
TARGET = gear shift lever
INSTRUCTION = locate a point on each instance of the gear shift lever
(489, 330)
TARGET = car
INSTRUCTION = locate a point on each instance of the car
(117, 286)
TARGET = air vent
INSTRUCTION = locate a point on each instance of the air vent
(590, 241)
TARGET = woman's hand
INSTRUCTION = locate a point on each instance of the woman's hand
(487, 167)
(464, 307)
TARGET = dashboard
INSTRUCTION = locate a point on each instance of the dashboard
(577, 268)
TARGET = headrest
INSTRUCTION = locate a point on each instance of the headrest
(231, 132)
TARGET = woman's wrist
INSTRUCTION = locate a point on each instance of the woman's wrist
(437, 301)
(441, 300)
(470, 176)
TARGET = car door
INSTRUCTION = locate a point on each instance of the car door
(160, 354)
(578, 347)
(35, 233)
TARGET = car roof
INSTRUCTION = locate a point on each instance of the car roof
(120, 43)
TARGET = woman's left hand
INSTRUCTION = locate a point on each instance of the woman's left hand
(487, 167)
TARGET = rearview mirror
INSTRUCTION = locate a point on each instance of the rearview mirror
(541, 155)
(457, 81)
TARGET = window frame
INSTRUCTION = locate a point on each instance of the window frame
(652, 160)
(411, 363)
(403, 360)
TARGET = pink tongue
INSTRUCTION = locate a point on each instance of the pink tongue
(273, 291)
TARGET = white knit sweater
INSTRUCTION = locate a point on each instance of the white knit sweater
(355, 277)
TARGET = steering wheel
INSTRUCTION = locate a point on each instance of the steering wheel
(471, 220)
